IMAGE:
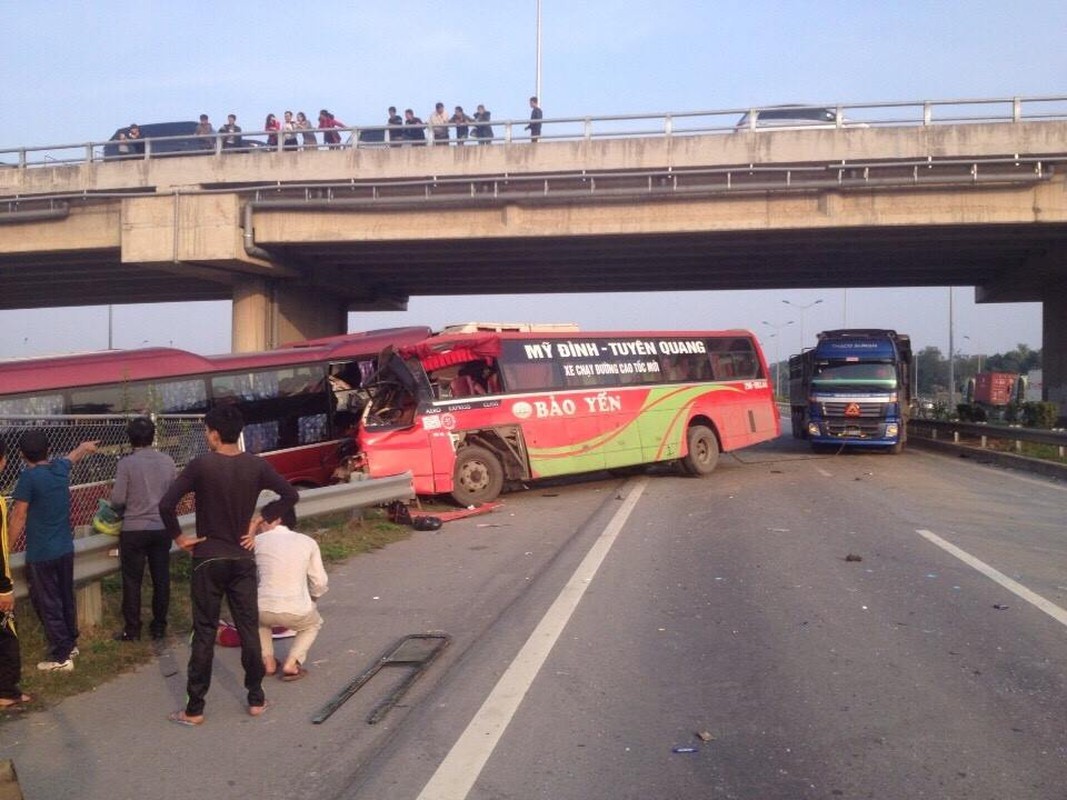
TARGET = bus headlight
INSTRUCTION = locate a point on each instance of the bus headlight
(892, 430)
(813, 429)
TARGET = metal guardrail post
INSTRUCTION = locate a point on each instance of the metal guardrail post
(92, 554)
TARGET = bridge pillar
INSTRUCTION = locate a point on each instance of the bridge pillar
(1054, 346)
(270, 313)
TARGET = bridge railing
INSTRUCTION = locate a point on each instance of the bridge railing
(1007, 110)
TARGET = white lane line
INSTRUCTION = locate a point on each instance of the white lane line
(1050, 608)
(461, 767)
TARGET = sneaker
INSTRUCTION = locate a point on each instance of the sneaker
(75, 652)
(122, 636)
(56, 666)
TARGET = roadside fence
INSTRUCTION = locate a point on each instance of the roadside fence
(181, 436)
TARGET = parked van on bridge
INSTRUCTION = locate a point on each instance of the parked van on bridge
(168, 139)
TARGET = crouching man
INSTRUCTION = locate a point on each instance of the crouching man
(291, 580)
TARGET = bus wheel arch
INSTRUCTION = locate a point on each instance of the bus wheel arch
(478, 476)
(702, 448)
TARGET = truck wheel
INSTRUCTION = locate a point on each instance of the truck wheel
(478, 477)
(703, 449)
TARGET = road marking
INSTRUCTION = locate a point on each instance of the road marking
(456, 775)
(1050, 608)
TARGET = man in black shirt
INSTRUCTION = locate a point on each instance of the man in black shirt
(226, 484)
(535, 120)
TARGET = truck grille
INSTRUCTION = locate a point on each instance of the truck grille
(838, 411)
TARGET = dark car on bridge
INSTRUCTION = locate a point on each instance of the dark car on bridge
(169, 139)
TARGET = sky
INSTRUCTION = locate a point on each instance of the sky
(75, 71)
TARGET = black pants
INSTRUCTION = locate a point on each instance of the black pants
(10, 659)
(51, 585)
(213, 579)
(135, 548)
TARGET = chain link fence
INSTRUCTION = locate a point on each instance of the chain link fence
(181, 436)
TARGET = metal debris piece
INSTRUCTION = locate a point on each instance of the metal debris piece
(416, 651)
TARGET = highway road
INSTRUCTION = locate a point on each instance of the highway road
(794, 626)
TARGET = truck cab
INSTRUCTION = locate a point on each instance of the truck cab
(852, 389)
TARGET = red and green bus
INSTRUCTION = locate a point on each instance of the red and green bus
(468, 413)
(300, 402)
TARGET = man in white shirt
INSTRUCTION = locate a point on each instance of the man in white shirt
(291, 580)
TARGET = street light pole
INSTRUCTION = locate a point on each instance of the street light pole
(537, 81)
(802, 309)
(777, 354)
(951, 358)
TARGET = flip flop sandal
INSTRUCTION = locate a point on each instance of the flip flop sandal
(179, 718)
(20, 704)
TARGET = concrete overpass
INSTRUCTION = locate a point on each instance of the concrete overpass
(297, 239)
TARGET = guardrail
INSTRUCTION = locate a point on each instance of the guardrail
(973, 439)
(921, 113)
(92, 554)
(957, 432)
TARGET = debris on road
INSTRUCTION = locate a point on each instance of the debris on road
(853, 557)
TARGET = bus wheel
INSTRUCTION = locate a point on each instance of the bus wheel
(703, 452)
(478, 478)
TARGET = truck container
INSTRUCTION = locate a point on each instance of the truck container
(994, 388)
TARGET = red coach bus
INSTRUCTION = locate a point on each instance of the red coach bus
(300, 402)
(469, 412)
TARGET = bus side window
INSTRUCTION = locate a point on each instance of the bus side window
(532, 376)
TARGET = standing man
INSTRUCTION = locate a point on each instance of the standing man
(226, 484)
(233, 133)
(291, 580)
(10, 655)
(414, 128)
(141, 479)
(42, 510)
(395, 134)
(439, 124)
(535, 121)
(483, 131)
(462, 123)
(206, 133)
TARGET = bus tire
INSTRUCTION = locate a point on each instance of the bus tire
(703, 447)
(478, 477)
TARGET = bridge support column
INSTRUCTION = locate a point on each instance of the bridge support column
(1054, 346)
(270, 313)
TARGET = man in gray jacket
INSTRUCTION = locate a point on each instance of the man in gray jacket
(141, 480)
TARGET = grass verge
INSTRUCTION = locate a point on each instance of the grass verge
(340, 536)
